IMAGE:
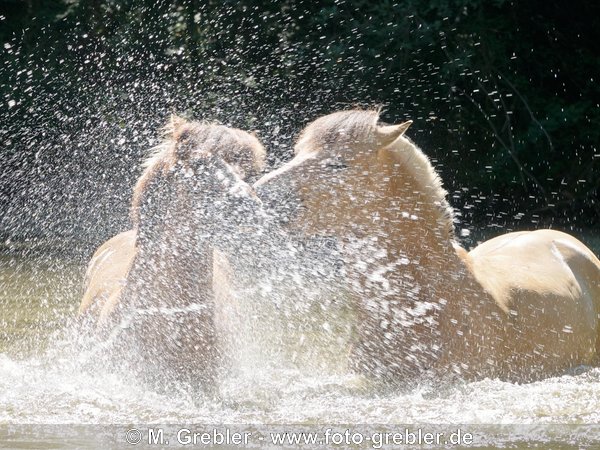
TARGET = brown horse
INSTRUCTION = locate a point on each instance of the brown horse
(521, 306)
(161, 276)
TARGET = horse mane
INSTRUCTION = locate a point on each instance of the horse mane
(347, 128)
(337, 129)
(182, 139)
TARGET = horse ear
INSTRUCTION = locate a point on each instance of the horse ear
(179, 132)
(176, 123)
(388, 134)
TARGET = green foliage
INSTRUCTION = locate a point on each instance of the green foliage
(504, 94)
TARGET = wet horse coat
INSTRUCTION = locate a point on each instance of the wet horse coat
(521, 306)
(108, 268)
(547, 284)
(164, 272)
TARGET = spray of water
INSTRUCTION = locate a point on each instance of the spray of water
(75, 134)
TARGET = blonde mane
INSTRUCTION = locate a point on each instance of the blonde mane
(182, 139)
(343, 128)
(356, 127)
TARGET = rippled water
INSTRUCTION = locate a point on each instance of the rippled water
(43, 380)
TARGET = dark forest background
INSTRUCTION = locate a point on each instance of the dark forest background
(504, 95)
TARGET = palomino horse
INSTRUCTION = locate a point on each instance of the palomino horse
(108, 268)
(519, 307)
(161, 275)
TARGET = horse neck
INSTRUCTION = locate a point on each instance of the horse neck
(417, 226)
(190, 264)
(420, 288)
(437, 272)
(173, 269)
(415, 254)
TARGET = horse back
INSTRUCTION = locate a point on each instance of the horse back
(106, 274)
(544, 261)
(548, 284)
